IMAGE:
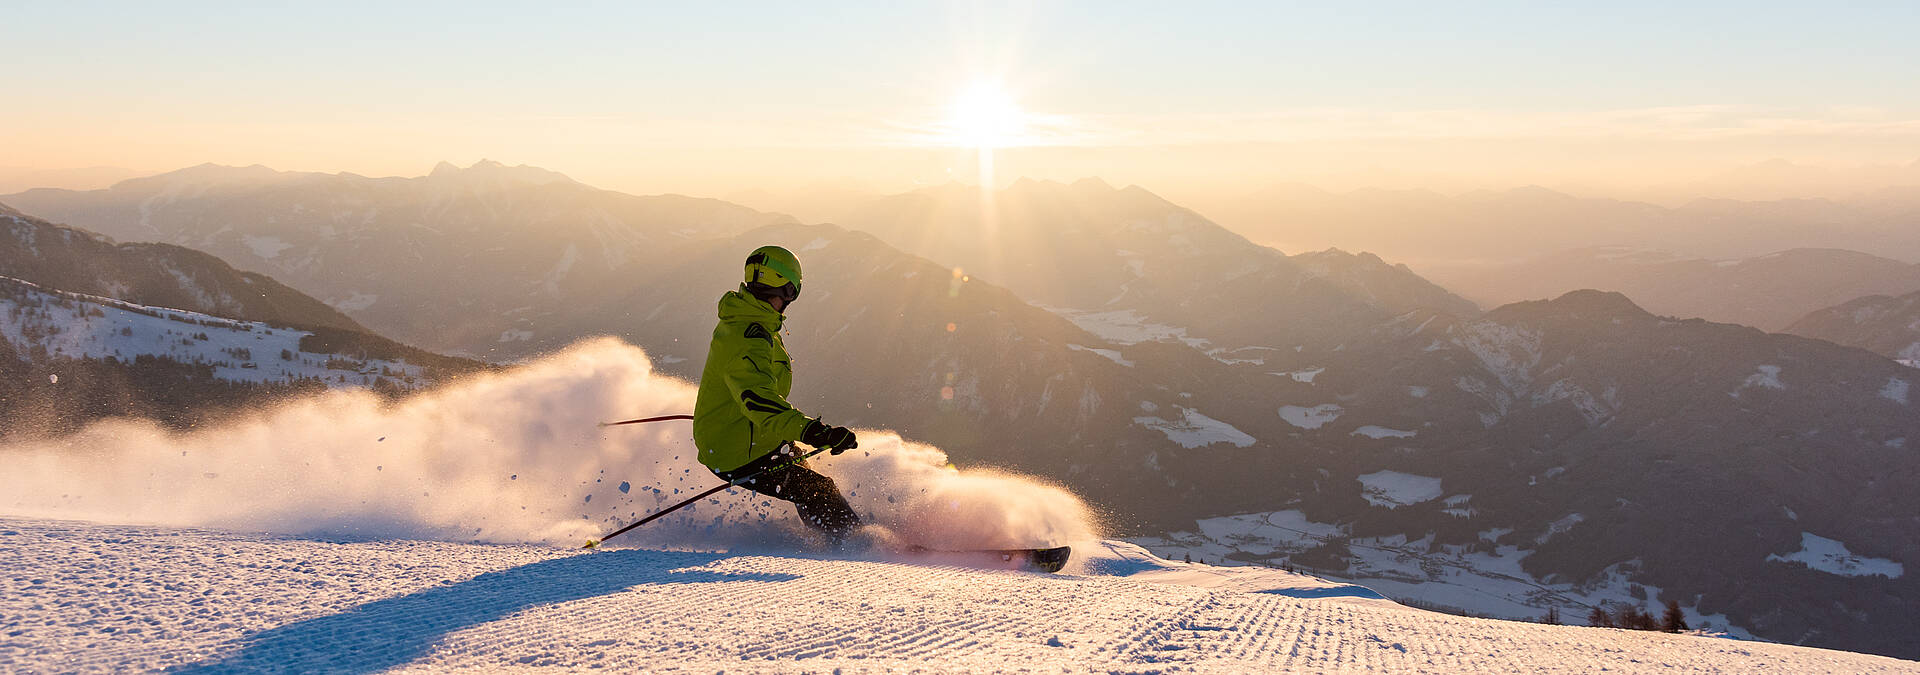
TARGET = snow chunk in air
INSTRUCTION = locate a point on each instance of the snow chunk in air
(1826, 555)
(1393, 489)
(1310, 418)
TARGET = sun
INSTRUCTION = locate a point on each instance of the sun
(984, 116)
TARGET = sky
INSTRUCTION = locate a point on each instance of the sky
(711, 98)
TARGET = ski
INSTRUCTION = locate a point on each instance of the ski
(1048, 560)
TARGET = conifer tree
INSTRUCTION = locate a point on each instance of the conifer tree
(1674, 620)
(1599, 618)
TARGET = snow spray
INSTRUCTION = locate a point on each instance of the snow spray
(511, 457)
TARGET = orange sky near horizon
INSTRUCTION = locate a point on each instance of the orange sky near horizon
(1637, 101)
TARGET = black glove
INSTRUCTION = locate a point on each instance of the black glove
(835, 439)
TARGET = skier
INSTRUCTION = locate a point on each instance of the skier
(742, 423)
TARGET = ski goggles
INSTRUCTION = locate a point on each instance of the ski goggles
(789, 292)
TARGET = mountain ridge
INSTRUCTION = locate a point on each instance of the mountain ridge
(152, 274)
(1767, 291)
(501, 239)
(1883, 324)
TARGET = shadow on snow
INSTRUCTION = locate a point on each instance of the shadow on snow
(1331, 592)
(391, 632)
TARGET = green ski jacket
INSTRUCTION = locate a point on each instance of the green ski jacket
(741, 413)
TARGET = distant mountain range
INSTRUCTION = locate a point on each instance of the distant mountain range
(461, 260)
(1171, 370)
(1421, 227)
(1767, 292)
(1886, 325)
(1132, 266)
(15, 179)
(1779, 177)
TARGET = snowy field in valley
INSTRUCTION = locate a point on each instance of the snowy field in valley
(1311, 417)
(96, 598)
(1192, 429)
(1480, 582)
(1832, 557)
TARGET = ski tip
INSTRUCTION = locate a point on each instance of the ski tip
(592, 543)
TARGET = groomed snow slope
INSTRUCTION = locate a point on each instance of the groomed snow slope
(95, 598)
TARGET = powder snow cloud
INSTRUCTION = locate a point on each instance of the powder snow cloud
(516, 456)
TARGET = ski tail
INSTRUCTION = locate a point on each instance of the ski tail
(1048, 560)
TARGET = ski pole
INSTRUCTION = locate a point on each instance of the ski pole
(645, 420)
(595, 543)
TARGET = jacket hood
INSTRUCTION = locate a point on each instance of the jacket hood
(737, 305)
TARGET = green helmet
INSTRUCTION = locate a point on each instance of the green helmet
(773, 271)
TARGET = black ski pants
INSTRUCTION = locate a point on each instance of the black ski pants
(814, 496)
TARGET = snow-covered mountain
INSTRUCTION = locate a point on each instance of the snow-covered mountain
(152, 274)
(1767, 292)
(1889, 326)
(191, 600)
(91, 329)
(447, 261)
(1571, 442)
(70, 358)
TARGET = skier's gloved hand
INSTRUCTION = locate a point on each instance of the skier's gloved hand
(836, 439)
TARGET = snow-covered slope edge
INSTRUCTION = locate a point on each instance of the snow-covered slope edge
(94, 598)
(59, 324)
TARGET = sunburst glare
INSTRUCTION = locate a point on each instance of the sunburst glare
(984, 116)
